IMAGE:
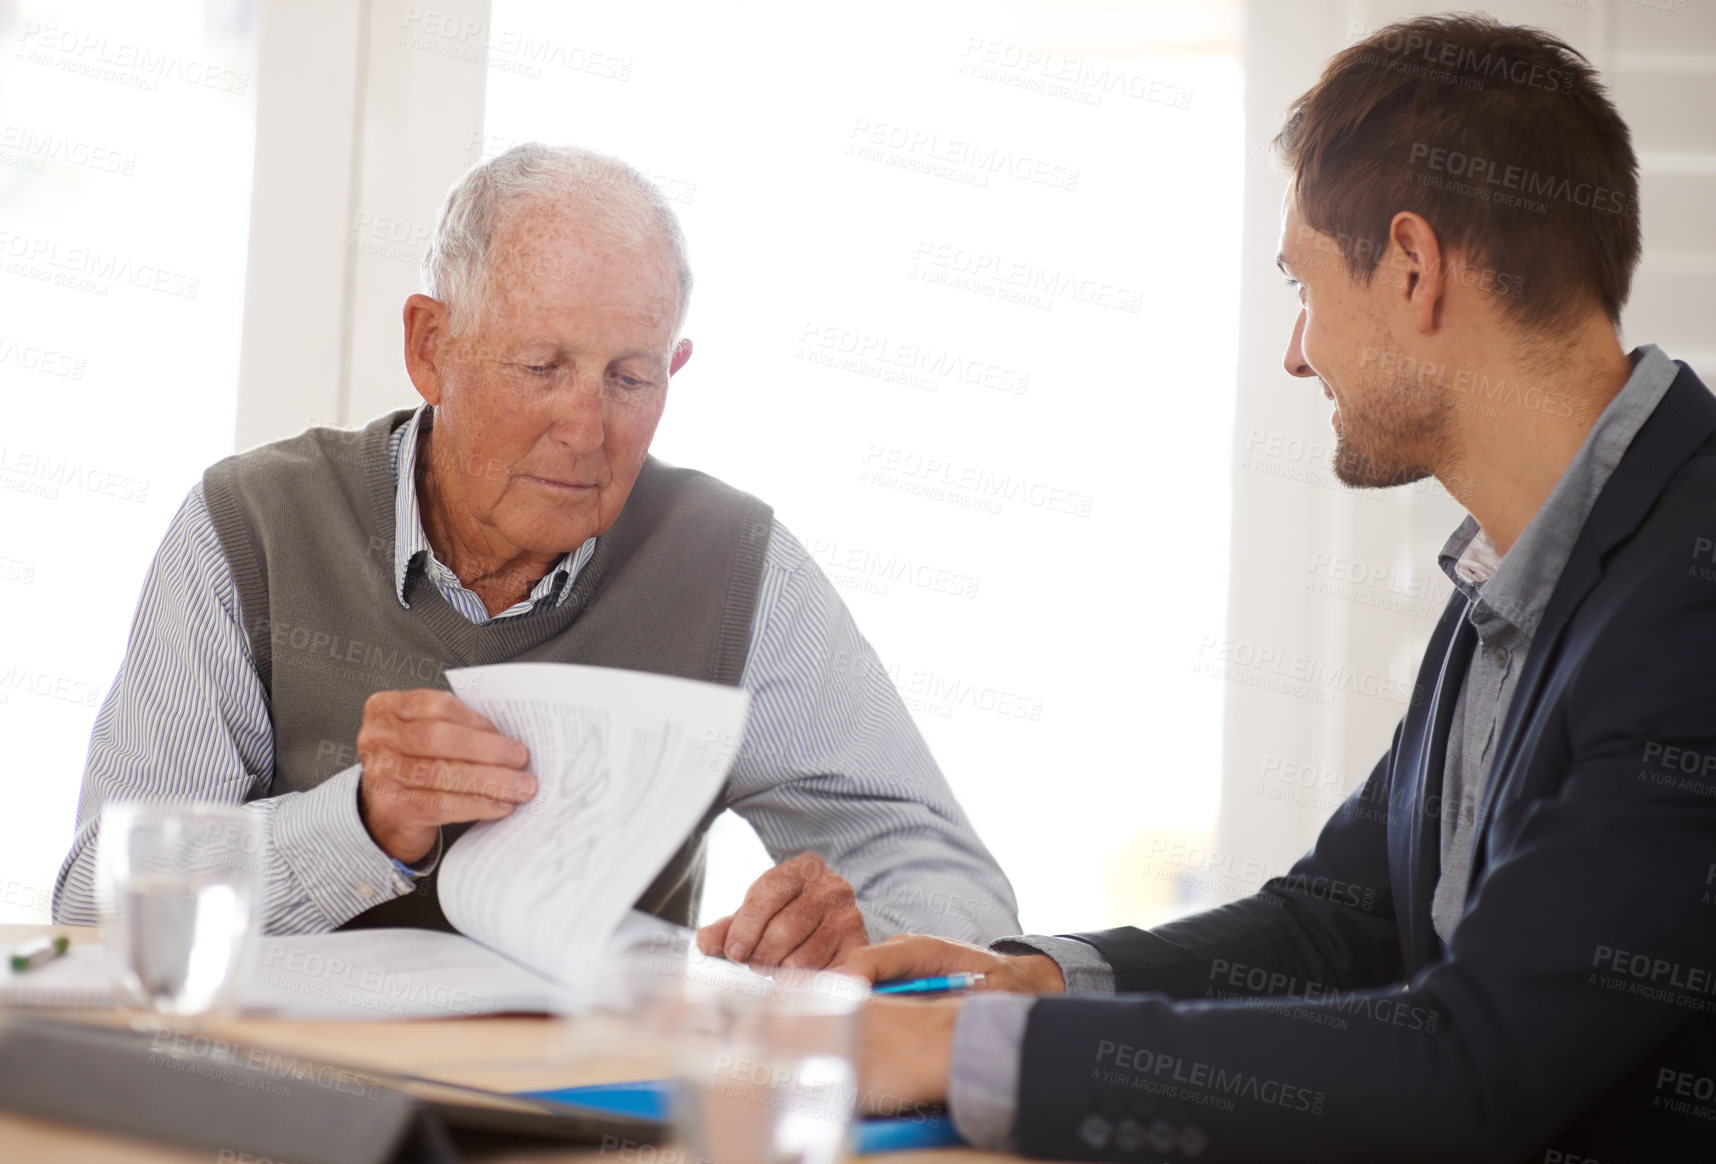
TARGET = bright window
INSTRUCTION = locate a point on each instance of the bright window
(125, 157)
(965, 315)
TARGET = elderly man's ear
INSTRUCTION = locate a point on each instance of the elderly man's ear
(425, 328)
(681, 353)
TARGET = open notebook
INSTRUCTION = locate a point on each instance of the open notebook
(626, 764)
(358, 974)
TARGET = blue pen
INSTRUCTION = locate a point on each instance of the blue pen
(930, 985)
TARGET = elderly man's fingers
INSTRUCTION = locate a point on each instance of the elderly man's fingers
(439, 739)
(424, 703)
(432, 805)
(795, 922)
(508, 785)
(389, 770)
(766, 897)
(837, 937)
(387, 767)
(825, 912)
(712, 938)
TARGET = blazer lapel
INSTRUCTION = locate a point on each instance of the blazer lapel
(1682, 421)
(1423, 756)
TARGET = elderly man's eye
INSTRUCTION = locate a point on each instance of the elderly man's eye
(540, 369)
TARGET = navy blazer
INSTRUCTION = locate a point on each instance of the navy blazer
(1569, 1018)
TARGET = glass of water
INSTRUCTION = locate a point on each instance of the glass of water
(178, 886)
(763, 1065)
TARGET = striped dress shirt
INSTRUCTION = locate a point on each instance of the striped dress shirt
(830, 761)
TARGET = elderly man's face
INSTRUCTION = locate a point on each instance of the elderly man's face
(547, 403)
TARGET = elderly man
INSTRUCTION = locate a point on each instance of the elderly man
(289, 644)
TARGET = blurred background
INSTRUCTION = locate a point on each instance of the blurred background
(1084, 516)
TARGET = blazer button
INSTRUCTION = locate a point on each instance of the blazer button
(1193, 1142)
(1128, 1135)
(1161, 1136)
(1095, 1130)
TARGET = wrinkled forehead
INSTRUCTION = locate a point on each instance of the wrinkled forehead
(535, 240)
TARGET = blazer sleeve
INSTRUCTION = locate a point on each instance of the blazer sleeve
(1582, 966)
(1329, 921)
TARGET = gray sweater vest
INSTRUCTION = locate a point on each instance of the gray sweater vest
(306, 525)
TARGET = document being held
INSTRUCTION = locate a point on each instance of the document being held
(626, 763)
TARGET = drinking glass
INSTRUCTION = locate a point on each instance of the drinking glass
(762, 1065)
(178, 888)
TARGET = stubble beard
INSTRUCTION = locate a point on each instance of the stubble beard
(1392, 440)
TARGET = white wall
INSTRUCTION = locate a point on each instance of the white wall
(363, 121)
(836, 174)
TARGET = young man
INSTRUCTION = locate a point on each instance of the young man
(1500, 948)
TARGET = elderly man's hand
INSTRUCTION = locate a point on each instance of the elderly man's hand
(799, 914)
(428, 760)
(916, 956)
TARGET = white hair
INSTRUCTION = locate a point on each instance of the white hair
(620, 204)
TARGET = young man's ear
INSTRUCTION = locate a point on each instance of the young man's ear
(1416, 253)
(425, 334)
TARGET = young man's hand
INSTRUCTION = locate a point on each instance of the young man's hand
(917, 956)
(905, 1051)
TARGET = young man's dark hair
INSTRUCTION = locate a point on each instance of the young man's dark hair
(1500, 136)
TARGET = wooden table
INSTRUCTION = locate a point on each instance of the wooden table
(511, 1053)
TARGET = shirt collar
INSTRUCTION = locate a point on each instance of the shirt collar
(1512, 591)
(410, 542)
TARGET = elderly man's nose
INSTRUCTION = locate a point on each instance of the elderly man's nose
(578, 419)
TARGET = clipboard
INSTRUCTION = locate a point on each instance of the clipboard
(224, 1096)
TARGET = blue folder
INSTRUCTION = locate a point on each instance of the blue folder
(652, 1099)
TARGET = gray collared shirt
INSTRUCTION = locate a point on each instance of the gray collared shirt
(1508, 596)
